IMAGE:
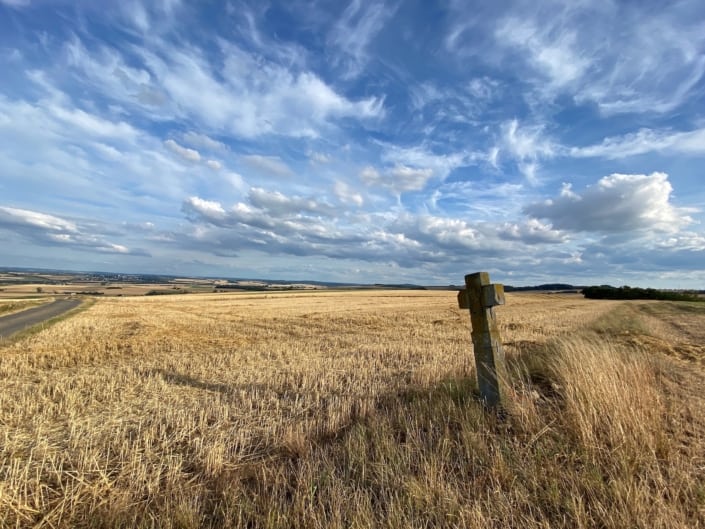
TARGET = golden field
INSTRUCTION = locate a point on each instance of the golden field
(353, 409)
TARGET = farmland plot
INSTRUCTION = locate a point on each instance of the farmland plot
(231, 409)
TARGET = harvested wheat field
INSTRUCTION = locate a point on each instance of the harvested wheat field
(353, 409)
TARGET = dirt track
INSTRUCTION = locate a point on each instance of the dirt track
(19, 321)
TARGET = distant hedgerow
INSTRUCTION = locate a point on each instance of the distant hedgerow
(626, 292)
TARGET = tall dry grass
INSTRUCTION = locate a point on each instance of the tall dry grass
(341, 410)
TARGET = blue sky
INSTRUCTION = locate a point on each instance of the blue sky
(356, 141)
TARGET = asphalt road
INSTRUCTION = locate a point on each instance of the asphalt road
(19, 321)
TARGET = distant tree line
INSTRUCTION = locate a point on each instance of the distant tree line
(174, 290)
(626, 292)
(547, 286)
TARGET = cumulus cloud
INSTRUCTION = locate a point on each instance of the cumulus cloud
(532, 231)
(78, 119)
(279, 204)
(273, 223)
(185, 153)
(198, 208)
(617, 203)
(443, 232)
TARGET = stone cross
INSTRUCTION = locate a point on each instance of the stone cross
(480, 297)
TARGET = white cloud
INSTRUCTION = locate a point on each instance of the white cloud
(531, 231)
(268, 164)
(108, 151)
(423, 94)
(131, 168)
(280, 205)
(448, 232)
(552, 52)
(689, 241)
(185, 153)
(235, 180)
(370, 175)
(409, 178)
(527, 145)
(107, 70)
(117, 248)
(50, 230)
(412, 167)
(346, 194)
(422, 158)
(526, 142)
(77, 121)
(208, 209)
(620, 57)
(92, 124)
(137, 14)
(15, 3)
(617, 203)
(318, 157)
(656, 67)
(355, 30)
(273, 223)
(149, 17)
(645, 141)
(202, 141)
(35, 219)
(483, 87)
(249, 96)
(399, 178)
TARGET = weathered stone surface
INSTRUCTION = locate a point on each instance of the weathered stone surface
(480, 296)
(463, 301)
(492, 295)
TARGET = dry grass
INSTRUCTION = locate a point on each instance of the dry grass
(11, 306)
(344, 410)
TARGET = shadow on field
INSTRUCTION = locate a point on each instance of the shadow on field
(180, 379)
